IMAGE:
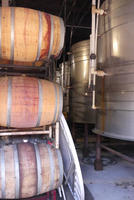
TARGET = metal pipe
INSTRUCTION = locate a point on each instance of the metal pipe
(64, 49)
(24, 133)
(93, 94)
(80, 15)
(92, 37)
(61, 9)
(71, 10)
(93, 49)
(127, 158)
(57, 135)
(24, 129)
(71, 35)
(97, 21)
(80, 27)
(92, 55)
(62, 75)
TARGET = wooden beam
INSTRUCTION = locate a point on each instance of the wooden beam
(5, 3)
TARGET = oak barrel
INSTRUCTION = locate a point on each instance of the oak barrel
(28, 169)
(28, 35)
(27, 102)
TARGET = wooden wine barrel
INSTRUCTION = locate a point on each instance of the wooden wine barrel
(29, 102)
(28, 169)
(28, 35)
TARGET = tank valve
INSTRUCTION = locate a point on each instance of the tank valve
(98, 11)
(98, 72)
(93, 56)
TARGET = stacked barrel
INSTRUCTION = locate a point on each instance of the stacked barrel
(27, 102)
(29, 37)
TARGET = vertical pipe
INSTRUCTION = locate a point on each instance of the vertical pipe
(64, 49)
(93, 49)
(92, 36)
(57, 135)
(62, 74)
(93, 94)
(50, 131)
(97, 22)
(92, 55)
(71, 35)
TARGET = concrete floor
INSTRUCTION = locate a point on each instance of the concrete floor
(115, 182)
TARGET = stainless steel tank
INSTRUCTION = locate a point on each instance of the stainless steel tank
(115, 94)
(80, 98)
(65, 82)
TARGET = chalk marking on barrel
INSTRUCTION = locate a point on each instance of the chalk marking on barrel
(60, 166)
(51, 36)
(39, 171)
(2, 163)
(12, 35)
(55, 112)
(17, 171)
(9, 101)
(52, 167)
(40, 102)
(40, 35)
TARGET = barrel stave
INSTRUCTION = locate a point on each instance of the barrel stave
(24, 102)
(9, 169)
(5, 36)
(28, 170)
(3, 100)
(45, 167)
(26, 30)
